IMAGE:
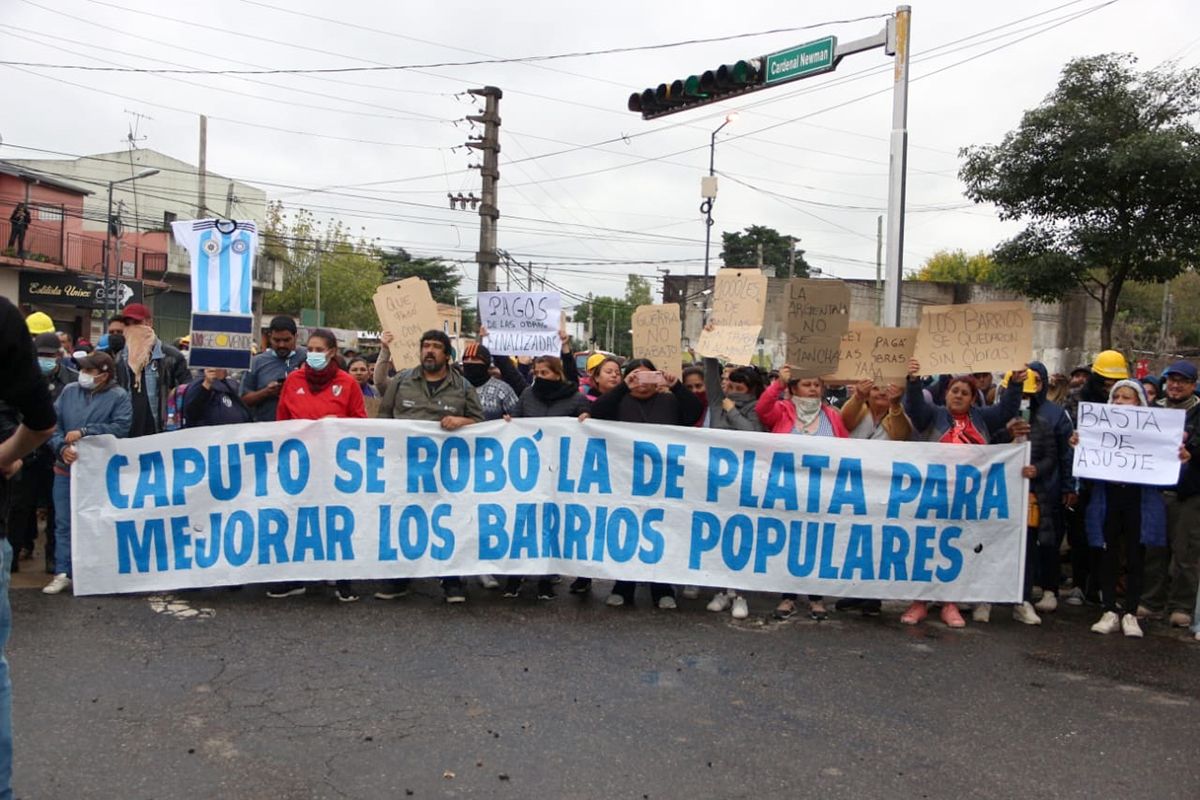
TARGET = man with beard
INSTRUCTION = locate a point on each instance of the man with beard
(431, 392)
(149, 369)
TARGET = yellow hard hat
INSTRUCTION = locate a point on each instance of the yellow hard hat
(595, 360)
(39, 322)
(1111, 364)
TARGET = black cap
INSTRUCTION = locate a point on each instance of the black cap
(47, 344)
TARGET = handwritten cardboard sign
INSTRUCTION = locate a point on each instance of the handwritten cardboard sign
(406, 309)
(739, 301)
(521, 323)
(816, 314)
(976, 337)
(656, 336)
(875, 353)
(1130, 444)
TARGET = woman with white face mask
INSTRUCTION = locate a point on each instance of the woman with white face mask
(319, 389)
(92, 406)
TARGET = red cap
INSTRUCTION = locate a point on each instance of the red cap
(136, 312)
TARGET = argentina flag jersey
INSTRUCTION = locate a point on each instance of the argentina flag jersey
(222, 253)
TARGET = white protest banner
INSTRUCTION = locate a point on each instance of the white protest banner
(976, 337)
(370, 499)
(521, 323)
(656, 336)
(406, 309)
(739, 300)
(1130, 444)
(816, 315)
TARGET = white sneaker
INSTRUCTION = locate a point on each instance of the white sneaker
(615, 600)
(1074, 597)
(489, 582)
(667, 603)
(1025, 613)
(982, 612)
(1048, 603)
(1130, 627)
(720, 602)
(741, 609)
(60, 582)
(690, 592)
(1108, 623)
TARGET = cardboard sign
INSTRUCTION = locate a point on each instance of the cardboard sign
(521, 323)
(739, 301)
(407, 310)
(874, 353)
(1129, 444)
(980, 337)
(816, 315)
(656, 336)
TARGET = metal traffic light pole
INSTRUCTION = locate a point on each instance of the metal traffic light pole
(805, 61)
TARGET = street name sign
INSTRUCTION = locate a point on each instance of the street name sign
(801, 61)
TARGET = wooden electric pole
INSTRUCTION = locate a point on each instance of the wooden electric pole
(489, 210)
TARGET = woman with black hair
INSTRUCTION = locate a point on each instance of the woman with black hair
(658, 398)
(318, 390)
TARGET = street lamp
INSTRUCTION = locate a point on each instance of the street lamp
(108, 228)
(708, 190)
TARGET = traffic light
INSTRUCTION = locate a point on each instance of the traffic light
(697, 90)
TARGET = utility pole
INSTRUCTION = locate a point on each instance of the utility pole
(1165, 325)
(489, 210)
(229, 201)
(760, 255)
(791, 257)
(529, 276)
(202, 174)
(898, 45)
(591, 324)
(879, 270)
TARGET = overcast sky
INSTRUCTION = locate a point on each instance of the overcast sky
(814, 152)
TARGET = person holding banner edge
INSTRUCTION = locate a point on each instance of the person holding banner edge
(960, 421)
(796, 406)
(319, 390)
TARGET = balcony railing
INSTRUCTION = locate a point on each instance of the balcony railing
(86, 253)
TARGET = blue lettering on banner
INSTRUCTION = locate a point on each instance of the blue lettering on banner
(748, 512)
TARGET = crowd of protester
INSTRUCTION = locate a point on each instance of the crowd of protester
(1132, 551)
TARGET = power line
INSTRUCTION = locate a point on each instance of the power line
(431, 65)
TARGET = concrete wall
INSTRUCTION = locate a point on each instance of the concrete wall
(1065, 334)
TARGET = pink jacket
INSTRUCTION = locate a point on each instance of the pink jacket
(778, 414)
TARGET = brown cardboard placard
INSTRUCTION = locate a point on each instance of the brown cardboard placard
(406, 308)
(656, 336)
(739, 301)
(816, 315)
(975, 337)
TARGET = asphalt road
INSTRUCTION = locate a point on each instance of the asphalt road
(232, 695)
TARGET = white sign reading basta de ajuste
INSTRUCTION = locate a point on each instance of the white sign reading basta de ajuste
(1129, 444)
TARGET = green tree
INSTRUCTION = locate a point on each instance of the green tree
(1104, 174)
(740, 249)
(612, 317)
(349, 269)
(443, 278)
(955, 266)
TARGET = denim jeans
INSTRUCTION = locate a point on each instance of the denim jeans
(62, 525)
(6, 740)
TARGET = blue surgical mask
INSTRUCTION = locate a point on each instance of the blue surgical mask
(316, 360)
(47, 364)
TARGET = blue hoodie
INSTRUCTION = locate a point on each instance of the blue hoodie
(92, 412)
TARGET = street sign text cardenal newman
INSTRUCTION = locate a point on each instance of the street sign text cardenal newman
(801, 61)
